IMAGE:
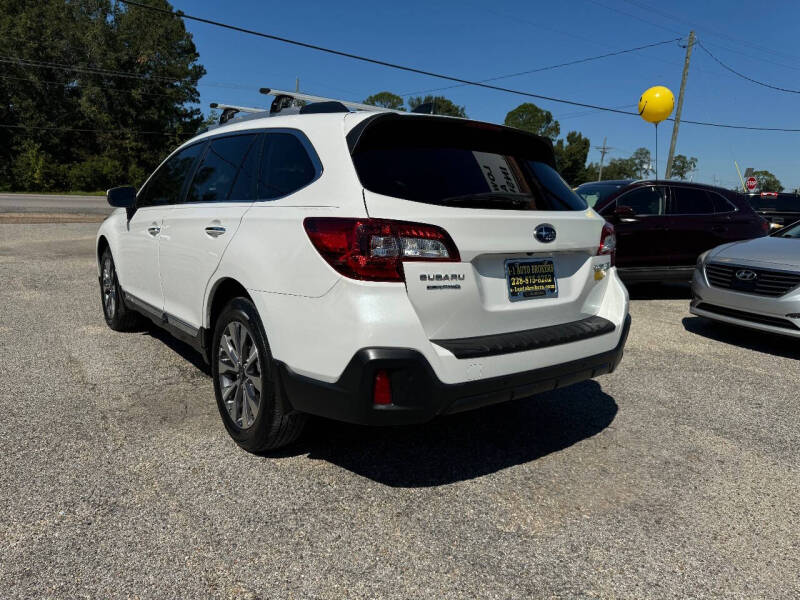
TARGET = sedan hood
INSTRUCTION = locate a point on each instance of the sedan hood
(773, 251)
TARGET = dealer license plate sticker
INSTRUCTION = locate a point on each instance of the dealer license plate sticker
(531, 278)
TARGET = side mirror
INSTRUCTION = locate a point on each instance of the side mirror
(122, 197)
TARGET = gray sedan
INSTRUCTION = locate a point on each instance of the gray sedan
(754, 283)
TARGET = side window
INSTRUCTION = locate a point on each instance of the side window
(166, 184)
(721, 204)
(650, 200)
(691, 201)
(285, 166)
(227, 170)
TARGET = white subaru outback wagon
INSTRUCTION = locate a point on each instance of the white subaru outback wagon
(373, 267)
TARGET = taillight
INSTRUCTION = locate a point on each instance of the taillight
(382, 389)
(375, 249)
(765, 226)
(608, 243)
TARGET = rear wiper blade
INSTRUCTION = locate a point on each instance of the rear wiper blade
(490, 199)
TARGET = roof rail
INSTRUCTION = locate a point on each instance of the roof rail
(292, 103)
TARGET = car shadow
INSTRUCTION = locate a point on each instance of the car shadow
(660, 291)
(462, 446)
(181, 348)
(448, 449)
(752, 339)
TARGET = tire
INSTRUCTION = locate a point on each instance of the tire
(118, 316)
(257, 419)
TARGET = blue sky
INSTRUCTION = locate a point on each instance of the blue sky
(478, 40)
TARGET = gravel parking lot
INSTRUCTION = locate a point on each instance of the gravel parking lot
(676, 476)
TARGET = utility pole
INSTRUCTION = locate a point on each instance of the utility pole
(674, 141)
(604, 149)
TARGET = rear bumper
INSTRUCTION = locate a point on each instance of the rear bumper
(419, 395)
(655, 274)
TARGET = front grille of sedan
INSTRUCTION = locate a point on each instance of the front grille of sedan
(766, 282)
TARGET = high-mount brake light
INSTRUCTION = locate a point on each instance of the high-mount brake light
(608, 243)
(375, 249)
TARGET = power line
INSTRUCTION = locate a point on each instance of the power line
(91, 70)
(167, 133)
(549, 68)
(627, 14)
(373, 61)
(709, 30)
(745, 77)
(181, 14)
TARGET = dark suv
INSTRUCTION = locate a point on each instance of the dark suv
(777, 208)
(662, 226)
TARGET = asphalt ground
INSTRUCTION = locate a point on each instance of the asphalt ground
(52, 208)
(676, 476)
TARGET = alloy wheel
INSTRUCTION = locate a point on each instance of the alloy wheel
(109, 288)
(239, 368)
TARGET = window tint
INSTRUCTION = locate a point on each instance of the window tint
(779, 202)
(285, 166)
(166, 184)
(790, 232)
(448, 162)
(593, 193)
(649, 200)
(691, 201)
(225, 171)
(721, 204)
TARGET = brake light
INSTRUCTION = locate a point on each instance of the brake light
(608, 243)
(375, 249)
(382, 389)
(765, 226)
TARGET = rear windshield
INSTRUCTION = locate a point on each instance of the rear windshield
(781, 202)
(593, 193)
(460, 163)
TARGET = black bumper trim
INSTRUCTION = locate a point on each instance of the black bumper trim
(747, 316)
(658, 274)
(530, 339)
(417, 393)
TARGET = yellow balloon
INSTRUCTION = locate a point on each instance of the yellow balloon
(656, 104)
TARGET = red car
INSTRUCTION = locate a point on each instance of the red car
(663, 226)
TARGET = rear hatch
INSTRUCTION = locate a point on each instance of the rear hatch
(526, 240)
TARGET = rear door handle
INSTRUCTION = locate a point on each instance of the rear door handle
(215, 230)
(154, 230)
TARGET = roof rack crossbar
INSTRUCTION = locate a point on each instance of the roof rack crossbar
(229, 111)
(310, 98)
(291, 102)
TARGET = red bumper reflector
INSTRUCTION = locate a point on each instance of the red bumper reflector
(382, 390)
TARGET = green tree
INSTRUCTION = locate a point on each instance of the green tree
(571, 157)
(641, 158)
(211, 119)
(767, 182)
(530, 117)
(115, 89)
(682, 166)
(617, 168)
(441, 105)
(385, 100)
